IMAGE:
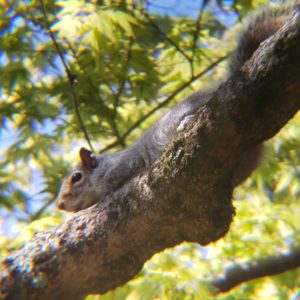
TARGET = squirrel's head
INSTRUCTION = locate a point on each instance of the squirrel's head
(77, 191)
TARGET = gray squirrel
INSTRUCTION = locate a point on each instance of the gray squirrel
(95, 176)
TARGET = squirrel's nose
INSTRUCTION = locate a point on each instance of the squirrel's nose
(61, 205)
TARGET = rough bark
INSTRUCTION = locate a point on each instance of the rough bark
(186, 196)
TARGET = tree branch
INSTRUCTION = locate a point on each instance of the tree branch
(165, 102)
(121, 139)
(87, 76)
(196, 33)
(268, 266)
(161, 33)
(71, 77)
(186, 196)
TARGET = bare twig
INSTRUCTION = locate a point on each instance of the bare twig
(71, 77)
(121, 139)
(170, 97)
(41, 210)
(110, 146)
(161, 33)
(196, 33)
(86, 74)
(268, 266)
(165, 102)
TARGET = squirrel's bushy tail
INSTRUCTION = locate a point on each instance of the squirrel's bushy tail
(256, 29)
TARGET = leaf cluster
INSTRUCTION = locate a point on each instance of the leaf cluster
(128, 66)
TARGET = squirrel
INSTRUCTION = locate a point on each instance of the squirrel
(97, 175)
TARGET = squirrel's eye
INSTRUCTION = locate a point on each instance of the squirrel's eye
(76, 177)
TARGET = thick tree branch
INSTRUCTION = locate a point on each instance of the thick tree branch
(268, 266)
(186, 196)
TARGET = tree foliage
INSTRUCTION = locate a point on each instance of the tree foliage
(101, 72)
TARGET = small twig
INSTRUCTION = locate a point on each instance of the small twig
(110, 146)
(166, 101)
(196, 33)
(120, 139)
(175, 93)
(87, 75)
(71, 77)
(116, 102)
(38, 214)
(156, 27)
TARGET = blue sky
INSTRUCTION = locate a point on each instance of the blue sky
(8, 135)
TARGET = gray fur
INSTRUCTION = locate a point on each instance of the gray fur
(119, 167)
(113, 170)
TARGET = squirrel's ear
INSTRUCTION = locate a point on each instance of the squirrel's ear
(87, 158)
